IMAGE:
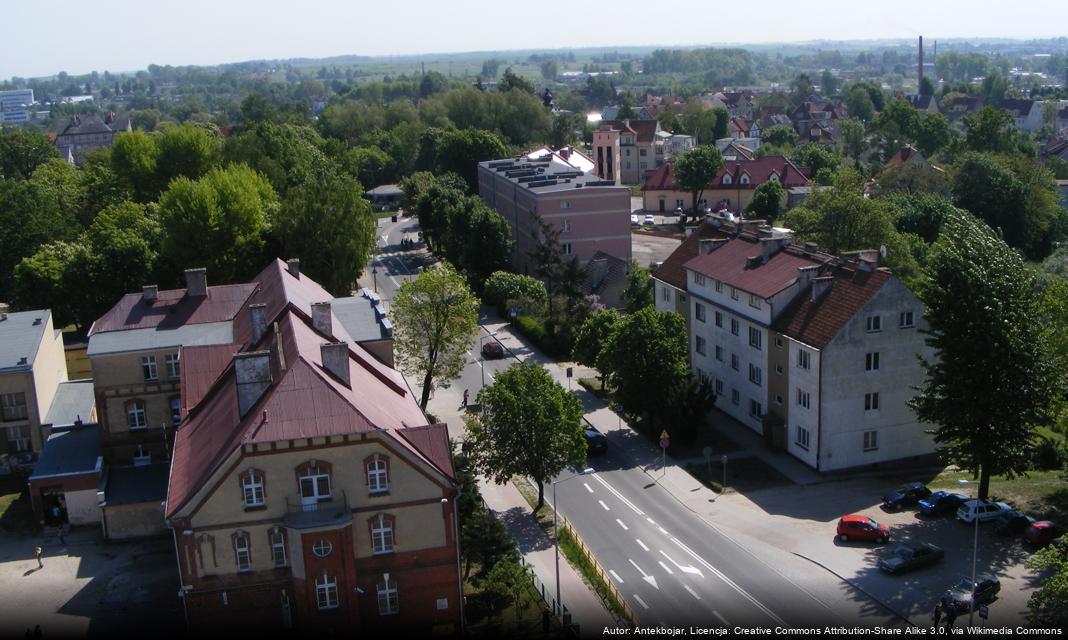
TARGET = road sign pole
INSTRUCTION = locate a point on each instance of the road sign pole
(723, 460)
(664, 442)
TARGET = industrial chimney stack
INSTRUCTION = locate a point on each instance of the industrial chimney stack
(919, 76)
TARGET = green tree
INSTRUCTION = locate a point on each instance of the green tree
(1048, 605)
(122, 249)
(511, 81)
(22, 151)
(921, 214)
(435, 319)
(485, 240)
(133, 160)
(485, 542)
(461, 151)
(779, 135)
(695, 169)
(255, 108)
(43, 281)
(985, 398)
(549, 70)
(30, 216)
(591, 338)
(639, 290)
(531, 426)
(933, 133)
(926, 86)
(188, 151)
(507, 580)
(686, 406)
(504, 289)
(853, 139)
(330, 226)
(988, 130)
(828, 83)
(816, 157)
(767, 200)
(859, 104)
(490, 68)
(217, 222)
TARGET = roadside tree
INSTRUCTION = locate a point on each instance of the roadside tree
(695, 169)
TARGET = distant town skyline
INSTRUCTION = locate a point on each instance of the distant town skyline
(79, 38)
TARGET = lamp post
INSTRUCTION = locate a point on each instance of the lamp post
(482, 358)
(975, 550)
(556, 542)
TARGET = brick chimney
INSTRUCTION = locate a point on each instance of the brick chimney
(149, 293)
(293, 265)
(258, 316)
(252, 374)
(820, 286)
(335, 356)
(770, 246)
(805, 275)
(196, 282)
(321, 318)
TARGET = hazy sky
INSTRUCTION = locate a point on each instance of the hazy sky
(43, 38)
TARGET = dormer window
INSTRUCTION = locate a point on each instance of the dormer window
(774, 176)
(727, 179)
(744, 179)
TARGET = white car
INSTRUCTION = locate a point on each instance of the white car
(634, 219)
(982, 510)
(649, 219)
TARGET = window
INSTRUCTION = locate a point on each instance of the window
(754, 301)
(377, 474)
(734, 326)
(778, 369)
(135, 415)
(756, 339)
(699, 311)
(700, 345)
(719, 353)
(778, 342)
(778, 401)
(326, 591)
(871, 361)
(565, 204)
(567, 226)
(565, 248)
(148, 367)
(13, 406)
(643, 164)
(734, 396)
(278, 547)
(627, 150)
(18, 438)
(142, 456)
(803, 398)
(314, 484)
(755, 374)
(628, 161)
(734, 293)
(719, 319)
(719, 286)
(176, 410)
(734, 362)
(387, 597)
(173, 367)
(874, 324)
(727, 179)
(801, 438)
(871, 401)
(755, 410)
(907, 320)
(803, 359)
(744, 179)
(382, 533)
(322, 548)
(871, 440)
(698, 278)
(719, 387)
(773, 176)
(665, 294)
(241, 551)
(679, 203)
(643, 152)
(252, 488)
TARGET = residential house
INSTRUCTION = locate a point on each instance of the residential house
(926, 104)
(732, 189)
(961, 106)
(738, 127)
(32, 368)
(732, 149)
(640, 148)
(84, 132)
(669, 277)
(561, 189)
(640, 113)
(65, 479)
(1026, 114)
(908, 154)
(385, 196)
(816, 352)
(307, 489)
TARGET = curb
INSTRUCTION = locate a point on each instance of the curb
(857, 587)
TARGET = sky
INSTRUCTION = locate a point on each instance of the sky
(44, 38)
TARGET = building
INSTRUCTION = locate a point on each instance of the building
(816, 352)
(732, 188)
(32, 367)
(669, 277)
(558, 188)
(927, 104)
(1026, 114)
(385, 196)
(307, 489)
(86, 132)
(16, 106)
(635, 147)
(66, 477)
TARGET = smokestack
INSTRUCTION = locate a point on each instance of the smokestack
(293, 264)
(919, 76)
(196, 282)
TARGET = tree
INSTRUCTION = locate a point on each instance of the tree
(779, 135)
(767, 200)
(435, 320)
(461, 151)
(188, 151)
(255, 109)
(530, 426)
(912, 177)
(133, 159)
(645, 358)
(926, 87)
(852, 138)
(511, 81)
(485, 239)
(122, 249)
(30, 216)
(695, 169)
(933, 133)
(507, 579)
(985, 397)
(490, 68)
(639, 290)
(591, 338)
(815, 157)
(22, 151)
(1048, 604)
(549, 70)
(828, 83)
(686, 406)
(485, 541)
(42, 281)
(897, 125)
(859, 104)
(988, 130)
(503, 289)
(329, 225)
(921, 214)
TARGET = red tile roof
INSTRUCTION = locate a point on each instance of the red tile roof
(907, 153)
(816, 323)
(728, 263)
(645, 129)
(672, 271)
(759, 170)
(173, 308)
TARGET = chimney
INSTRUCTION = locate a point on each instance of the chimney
(335, 356)
(820, 286)
(754, 261)
(294, 267)
(769, 247)
(919, 76)
(321, 318)
(196, 282)
(252, 372)
(805, 275)
(258, 315)
(811, 247)
(704, 247)
(149, 293)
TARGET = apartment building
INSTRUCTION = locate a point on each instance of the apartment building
(15, 106)
(32, 367)
(816, 352)
(85, 132)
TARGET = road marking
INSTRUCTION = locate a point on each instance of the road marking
(641, 544)
(625, 527)
(640, 601)
(692, 592)
(730, 583)
(684, 569)
(616, 576)
(721, 618)
(651, 521)
(666, 568)
(662, 530)
(587, 485)
(619, 495)
(604, 505)
(645, 576)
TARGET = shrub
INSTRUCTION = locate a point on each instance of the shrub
(1050, 454)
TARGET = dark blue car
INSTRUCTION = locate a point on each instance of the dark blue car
(905, 495)
(940, 503)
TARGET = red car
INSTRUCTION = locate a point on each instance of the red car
(860, 527)
(1041, 533)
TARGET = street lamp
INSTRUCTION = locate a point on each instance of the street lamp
(482, 358)
(975, 549)
(556, 541)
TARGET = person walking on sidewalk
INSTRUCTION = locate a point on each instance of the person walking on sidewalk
(38, 551)
(464, 405)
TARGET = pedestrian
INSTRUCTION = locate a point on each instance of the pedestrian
(465, 398)
(937, 614)
(951, 615)
(38, 551)
(546, 619)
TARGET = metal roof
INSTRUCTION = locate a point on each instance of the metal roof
(69, 452)
(157, 338)
(134, 485)
(359, 317)
(20, 337)
(74, 400)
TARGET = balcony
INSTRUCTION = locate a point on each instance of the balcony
(334, 512)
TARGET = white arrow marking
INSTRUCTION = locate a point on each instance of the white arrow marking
(684, 569)
(616, 576)
(730, 583)
(587, 485)
(641, 544)
(645, 576)
(666, 568)
(692, 592)
(604, 505)
(640, 601)
(625, 527)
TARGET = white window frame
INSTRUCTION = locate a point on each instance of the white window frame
(377, 476)
(719, 286)
(278, 548)
(754, 301)
(565, 248)
(804, 399)
(565, 204)
(756, 410)
(242, 553)
(871, 440)
(148, 368)
(801, 437)
(727, 178)
(388, 602)
(322, 548)
(871, 361)
(136, 415)
(719, 387)
(567, 226)
(175, 405)
(326, 592)
(699, 345)
(141, 457)
(382, 535)
(11, 408)
(735, 326)
(871, 401)
(698, 279)
(744, 179)
(756, 338)
(174, 366)
(804, 358)
(874, 324)
(699, 312)
(734, 293)
(665, 294)
(756, 375)
(906, 320)
(252, 489)
(315, 478)
(19, 439)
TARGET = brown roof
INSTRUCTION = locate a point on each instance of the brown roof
(173, 309)
(816, 323)
(201, 367)
(645, 129)
(759, 170)
(729, 263)
(904, 155)
(672, 271)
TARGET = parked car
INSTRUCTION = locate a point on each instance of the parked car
(982, 510)
(492, 350)
(596, 443)
(1012, 523)
(959, 596)
(940, 503)
(649, 219)
(905, 495)
(1041, 533)
(861, 527)
(908, 557)
(678, 211)
(634, 221)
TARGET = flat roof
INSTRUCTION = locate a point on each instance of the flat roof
(20, 337)
(360, 318)
(134, 485)
(74, 400)
(547, 176)
(69, 452)
(159, 338)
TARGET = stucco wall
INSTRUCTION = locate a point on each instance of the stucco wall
(82, 507)
(135, 521)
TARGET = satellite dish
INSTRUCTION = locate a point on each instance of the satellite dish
(882, 250)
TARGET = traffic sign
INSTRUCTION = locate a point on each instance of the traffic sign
(723, 459)
(570, 372)
(664, 434)
(983, 611)
(664, 442)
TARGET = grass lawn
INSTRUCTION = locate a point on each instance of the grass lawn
(487, 618)
(743, 474)
(16, 514)
(1041, 494)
